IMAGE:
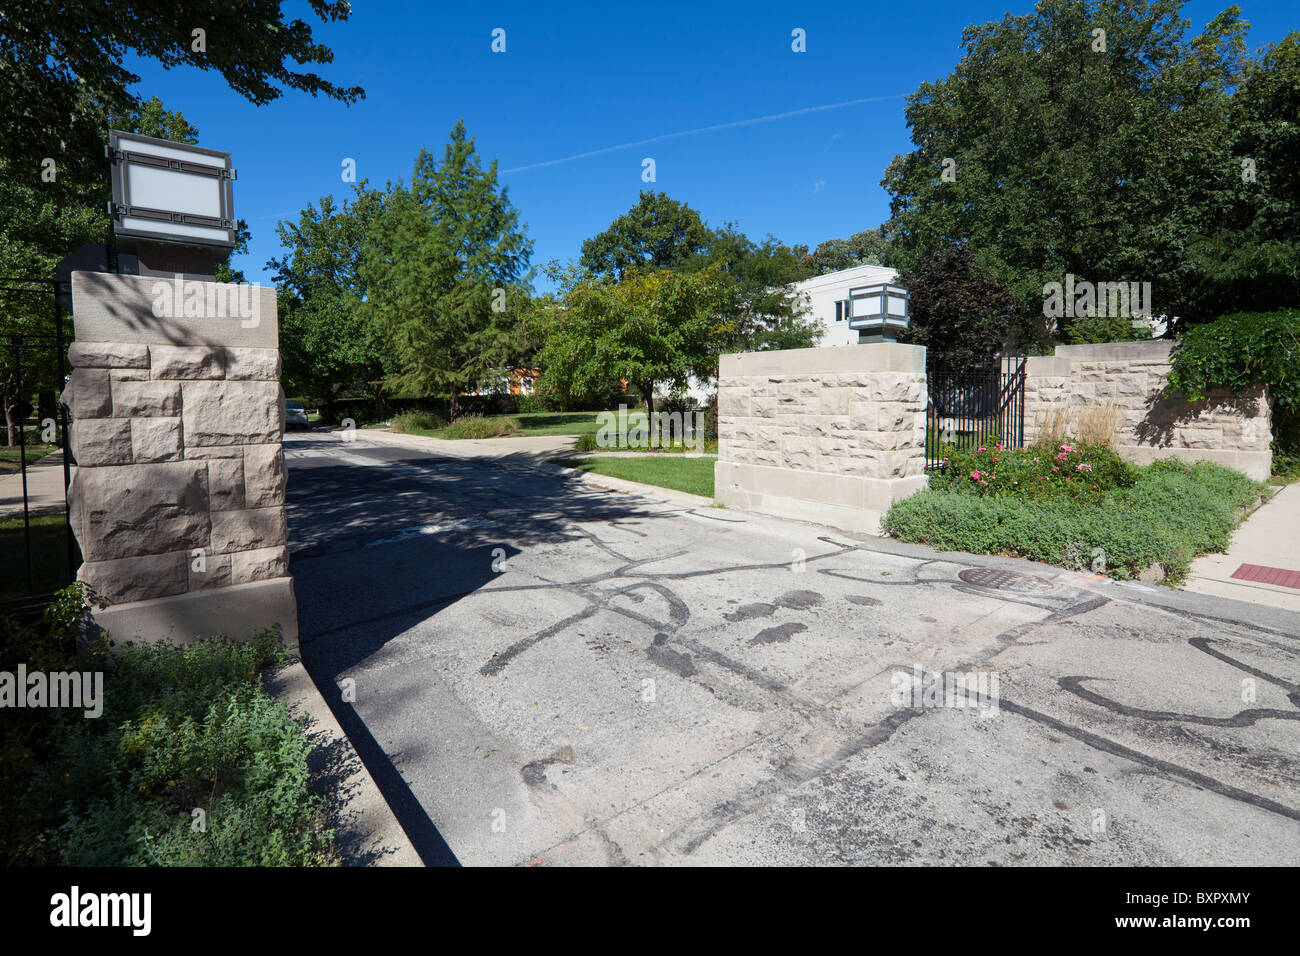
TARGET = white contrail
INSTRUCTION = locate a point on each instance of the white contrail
(704, 129)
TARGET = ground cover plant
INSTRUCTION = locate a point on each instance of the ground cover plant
(1076, 506)
(182, 729)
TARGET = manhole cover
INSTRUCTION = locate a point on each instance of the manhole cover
(1005, 580)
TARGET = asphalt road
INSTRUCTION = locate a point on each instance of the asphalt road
(547, 673)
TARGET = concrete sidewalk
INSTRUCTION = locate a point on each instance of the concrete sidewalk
(44, 487)
(1269, 538)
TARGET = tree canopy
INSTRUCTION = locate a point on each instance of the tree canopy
(441, 265)
(1094, 137)
(652, 328)
(62, 66)
(866, 248)
(328, 346)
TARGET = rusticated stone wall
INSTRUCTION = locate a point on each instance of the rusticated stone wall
(830, 435)
(1233, 431)
(178, 496)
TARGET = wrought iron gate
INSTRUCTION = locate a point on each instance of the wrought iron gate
(974, 406)
(39, 551)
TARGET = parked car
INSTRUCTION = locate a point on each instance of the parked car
(295, 416)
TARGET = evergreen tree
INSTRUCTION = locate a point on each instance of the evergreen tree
(441, 267)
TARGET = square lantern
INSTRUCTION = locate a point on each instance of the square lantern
(171, 192)
(878, 310)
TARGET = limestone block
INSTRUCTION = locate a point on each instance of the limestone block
(230, 413)
(89, 393)
(123, 308)
(261, 365)
(170, 362)
(213, 451)
(108, 355)
(264, 475)
(1200, 437)
(213, 571)
(155, 439)
(248, 529)
(890, 387)
(123, 510)
(260, 564)
(133, 399)
(226, 484)
(835, 401)
(137, 578)
(879, 440)
(101, 441)
(128, 374)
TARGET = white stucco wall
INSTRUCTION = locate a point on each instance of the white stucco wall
(822, 292)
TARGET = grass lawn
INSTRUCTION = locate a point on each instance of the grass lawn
(11, 458)
(692, 475)
(556, 423)
(49, 555)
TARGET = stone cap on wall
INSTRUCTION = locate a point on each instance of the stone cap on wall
(124, 308)
(1146, 350)
(874, 357)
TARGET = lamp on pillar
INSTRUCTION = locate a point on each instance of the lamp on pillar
(878, 311)
(173, 206)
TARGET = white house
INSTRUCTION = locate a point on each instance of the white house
(869, 293)
(827, 297)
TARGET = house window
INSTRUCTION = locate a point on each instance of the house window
(527, 386)
(839, 311)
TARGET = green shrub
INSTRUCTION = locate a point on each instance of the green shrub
(1241, 350)
(182, 728)
(415, 422)
(586, 442)
(477, 426)
(531, 404)
(1168, 515)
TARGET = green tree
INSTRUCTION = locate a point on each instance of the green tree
(62, 66)
(1053, 155)
(757, 309)
(657, 233)
(1250, 260)
(442, 265)
(866, 248)
(962, 315)
(328, 345)
(652, 328)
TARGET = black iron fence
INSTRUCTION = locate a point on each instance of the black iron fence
(38, 552)
(974, 406)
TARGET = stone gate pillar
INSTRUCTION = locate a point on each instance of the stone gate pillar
(829, 435)
(178, 496)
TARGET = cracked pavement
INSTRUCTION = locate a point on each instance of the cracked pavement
(549, 673)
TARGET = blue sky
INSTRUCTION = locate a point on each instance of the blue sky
(573, 81)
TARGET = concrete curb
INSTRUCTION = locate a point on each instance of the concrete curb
(366, 831)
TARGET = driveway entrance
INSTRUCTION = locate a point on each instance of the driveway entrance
(549, 673)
